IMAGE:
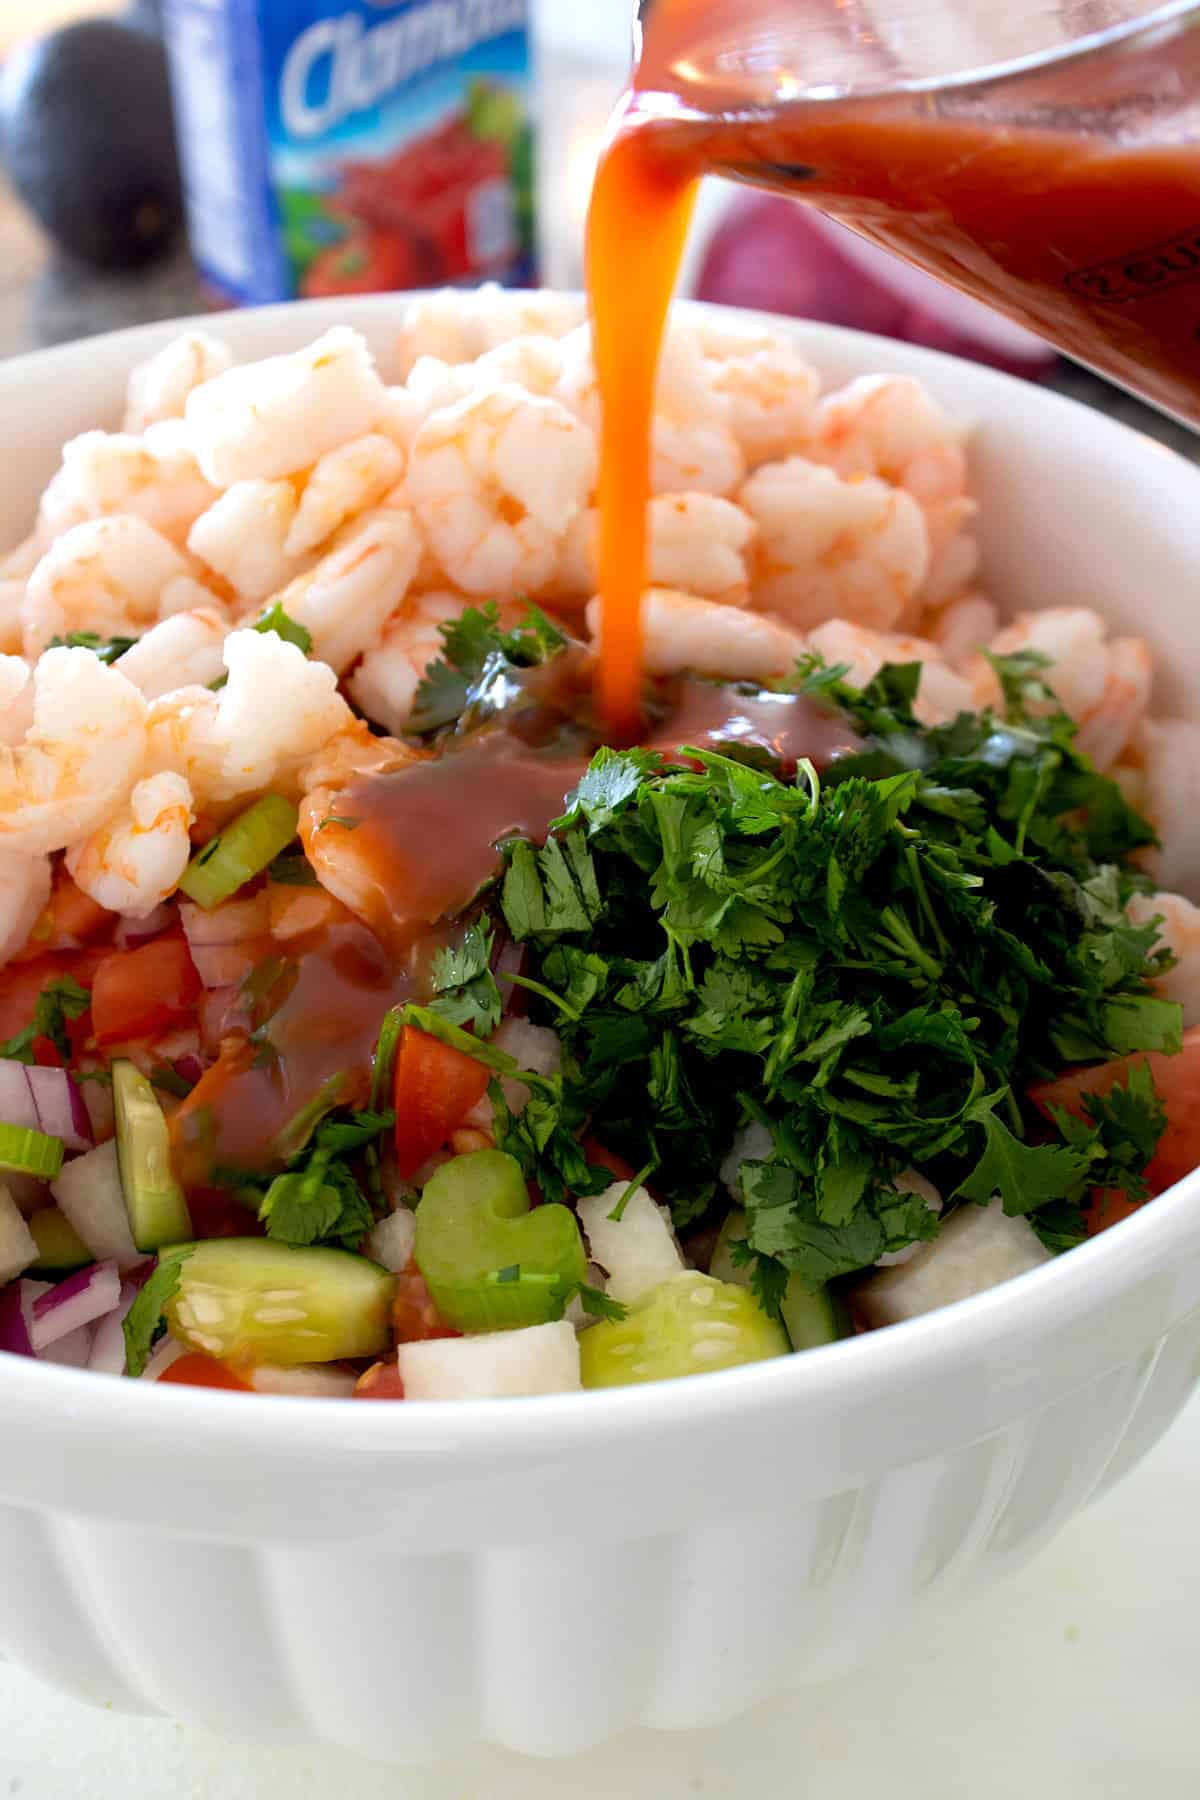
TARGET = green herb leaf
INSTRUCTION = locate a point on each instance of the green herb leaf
(277, 620)
(143, 1323)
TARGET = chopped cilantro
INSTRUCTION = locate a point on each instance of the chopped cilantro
(292, 869)
(464, 987)
(108, 650)
(476, 654)
(143, 1323)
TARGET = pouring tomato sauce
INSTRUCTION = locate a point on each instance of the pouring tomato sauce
(1068, 198)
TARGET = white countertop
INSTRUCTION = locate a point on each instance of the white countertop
(1076, 1680)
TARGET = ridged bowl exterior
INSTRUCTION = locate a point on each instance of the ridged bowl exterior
(543, 1574)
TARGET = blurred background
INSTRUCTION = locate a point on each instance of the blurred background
(143, 177)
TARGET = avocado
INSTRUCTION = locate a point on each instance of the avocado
(89, 140)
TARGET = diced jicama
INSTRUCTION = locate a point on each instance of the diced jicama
(638, 1249)
(315, 1381)
(538, 1359)
(390, 1241)
(90, 1195)
(976, 1249)
(18, 1247)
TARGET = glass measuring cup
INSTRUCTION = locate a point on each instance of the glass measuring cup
(1043, 157)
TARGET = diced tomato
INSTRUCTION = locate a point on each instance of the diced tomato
(216, 1213)
(21, 983)
(1177, 1079)
(197, 1370)
(1108, 1206)
(414, 1316)
(436, 1087)
(70, 919)
(381, 1382)
(137, 993)
(46, 1053)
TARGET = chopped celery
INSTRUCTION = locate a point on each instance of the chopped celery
(154, 1200)
(489, 1262)
(242, 851)
(809, 1319)
(59, 1244)
(27, 1152)
(275, 1303)
(684, 1326)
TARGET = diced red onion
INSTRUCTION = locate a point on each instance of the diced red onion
(16, 1315)
(131, 932)
(74, 1350)
(44, 1100)
(227, 942)
(61, 1108)
(79, 1300)
(511, 958)
(108, 1345)
(214, 1011)
(189, 1068)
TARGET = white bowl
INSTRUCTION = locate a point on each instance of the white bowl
(543, 1573)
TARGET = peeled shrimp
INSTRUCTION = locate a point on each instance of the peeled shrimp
(341, 864)
(104, 576)
(243, 537)
(385, 682)
(459, 324)
(698, 542)
(830, 549)
(134, 861)
(770, 389)
(16, 699)
(104, 473)
(24, 891)
(942, 693)
(179, 651)
(1103, 683)
(159, 387)
(891, 426)
(495, 481)
(344, 483)
(962, 629)
(84, 749)
(1179, 932)
(345, 599)
(1169, 753)
(683, 632)
(271, 418)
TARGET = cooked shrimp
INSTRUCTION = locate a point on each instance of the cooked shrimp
(698, 542)
(942, 693)
(693, 446)
(16, 699)
(24, 891)
(459, 324)
(185, 594)
(277, 709)
(179, 651)
(1103, 683)
(104, 576)
(534, 363)
(243, 537)
(135, 859)
(495, 480)
(830, 549)
(891, 426)
(182, 739)
(104, 473)
(271, 418)
(400, 418)
(344, 483)
(1169, 753)
(683, 632)
(159, 387)
(962, 629)
(385, 682)
(1179, 932)
(770, 388)
(81, 754)
(341, 865)
(345, 599)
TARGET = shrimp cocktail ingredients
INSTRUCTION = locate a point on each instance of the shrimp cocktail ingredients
(373, 1025)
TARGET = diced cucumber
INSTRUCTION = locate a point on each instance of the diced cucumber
(59, 1244)
(809, 1319)
(154, 1200)
(686, 1326)
(276, 1303)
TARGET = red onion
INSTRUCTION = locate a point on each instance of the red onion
(131, 932)
(77, 1301)
(227, 942)
(108, 1345)
(44, 1100)
(772, 253)
(189, 1068)
(511, 958)
(89, 1193)
(16, 1315)
(74, 1350)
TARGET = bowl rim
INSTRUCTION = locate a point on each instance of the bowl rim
(882, 1363)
